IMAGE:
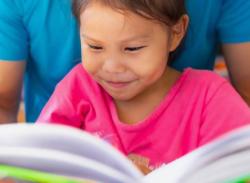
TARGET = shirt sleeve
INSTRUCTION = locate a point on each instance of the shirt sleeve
(224, 111)
(234, 22)
(13, 35)
(68, 104)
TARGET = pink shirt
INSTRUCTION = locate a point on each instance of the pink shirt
(198, 108)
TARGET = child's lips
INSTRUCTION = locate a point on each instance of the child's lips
(119, 84)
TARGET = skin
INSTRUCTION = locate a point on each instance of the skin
(11, 77)
(237, 58)
(128, 57)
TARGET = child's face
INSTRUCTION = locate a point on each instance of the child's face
(124, 52)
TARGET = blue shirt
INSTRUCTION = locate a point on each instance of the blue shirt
(212, 22)
(45, 33)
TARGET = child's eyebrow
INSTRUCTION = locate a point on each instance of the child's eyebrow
(88, 37)
(137, 37)
(128, 39)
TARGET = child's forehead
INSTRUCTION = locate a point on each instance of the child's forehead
(100, 22)
(126, 26)
(104, 8)
(123, 11)
(101, 14)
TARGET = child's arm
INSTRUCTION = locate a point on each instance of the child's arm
(68, 104)
(59, 109)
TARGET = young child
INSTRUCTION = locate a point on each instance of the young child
(125, 93)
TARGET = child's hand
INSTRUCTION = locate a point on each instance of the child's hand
(145, 170)
(141, 162)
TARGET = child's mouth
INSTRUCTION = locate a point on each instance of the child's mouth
(118, 84)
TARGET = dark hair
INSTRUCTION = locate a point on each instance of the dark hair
(165, 11)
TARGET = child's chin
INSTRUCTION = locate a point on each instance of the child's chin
(122, 97)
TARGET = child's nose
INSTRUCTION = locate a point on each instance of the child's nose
(113, 65)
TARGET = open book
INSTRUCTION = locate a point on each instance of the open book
(59, 154)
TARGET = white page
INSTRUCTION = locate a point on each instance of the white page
(179, 170)
(224, 170)
(66, 139)
(61, 163)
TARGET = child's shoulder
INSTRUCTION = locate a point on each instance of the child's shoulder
(78, 77)
(78, 73)
(203, 77)
(201, 81)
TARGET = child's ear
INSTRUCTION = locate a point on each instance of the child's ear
(178, 31)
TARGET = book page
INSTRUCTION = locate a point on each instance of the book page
(182, 169)
(62, 139)
(60, 163)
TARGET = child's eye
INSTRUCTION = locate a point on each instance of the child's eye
(134, 48)
(97, 48)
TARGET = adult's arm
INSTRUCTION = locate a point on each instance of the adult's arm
(234, 34)
(14, 47)
(237, 57)
(11, 79)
